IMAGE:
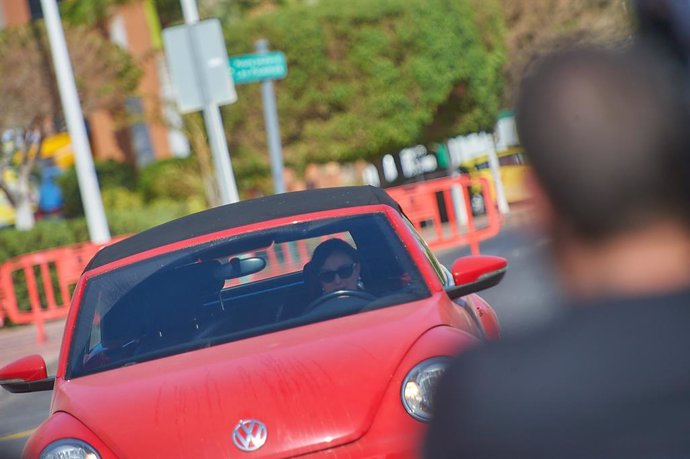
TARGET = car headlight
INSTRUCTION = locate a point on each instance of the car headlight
(419, 384)
(69, 448)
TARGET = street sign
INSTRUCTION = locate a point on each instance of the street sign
(249, 68)
(196, 57)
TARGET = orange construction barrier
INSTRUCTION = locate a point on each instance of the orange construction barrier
(425, 203)
(48, 278)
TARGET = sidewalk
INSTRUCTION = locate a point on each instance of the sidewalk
(521, 214)
(17, 342)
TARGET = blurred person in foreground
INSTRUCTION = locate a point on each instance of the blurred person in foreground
(607, 135)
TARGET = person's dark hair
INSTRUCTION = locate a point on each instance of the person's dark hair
(666, 24)
(329, 247)
(321, 253)
(607, 136)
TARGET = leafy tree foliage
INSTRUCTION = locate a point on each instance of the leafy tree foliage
(124, 187)
(240, 9)
(366, 78)
(173, 179)
(91, 13)
(111, 174)
(104, 74)
(169, 12)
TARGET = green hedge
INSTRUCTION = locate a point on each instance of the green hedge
(111, 174)
(57, 232)
(176, 179)
(133, 201)
(47, 233)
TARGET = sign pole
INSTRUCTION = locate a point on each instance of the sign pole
(272, 128)
(265, 66)
(214, 123)
(498, 182)
(86, 172)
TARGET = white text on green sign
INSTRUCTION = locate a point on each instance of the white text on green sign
(249, 68)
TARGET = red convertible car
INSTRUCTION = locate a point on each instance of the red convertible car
(310, 324)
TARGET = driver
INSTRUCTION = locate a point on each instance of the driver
(335, 265)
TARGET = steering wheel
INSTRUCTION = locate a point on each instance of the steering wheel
(337, 294)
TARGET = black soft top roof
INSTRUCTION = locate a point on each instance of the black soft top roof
(243, 213)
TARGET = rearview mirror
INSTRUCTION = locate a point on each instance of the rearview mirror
(27, 374)
(476, 272)
(239, 267)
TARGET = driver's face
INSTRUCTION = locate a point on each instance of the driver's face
(339, 272)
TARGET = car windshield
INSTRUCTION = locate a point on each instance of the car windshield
(234, 288)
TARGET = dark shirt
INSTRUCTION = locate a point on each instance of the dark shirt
(609, 380)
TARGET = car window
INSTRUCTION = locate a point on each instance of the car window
(441, 271)
(284, 257)
(231, 289)
(514, 159)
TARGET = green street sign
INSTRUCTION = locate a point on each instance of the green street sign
(249, 68)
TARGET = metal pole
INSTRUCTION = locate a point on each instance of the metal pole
(498, 183)
(214, 125)
(86, 173)
(456, 190)
(190, 12)
(272, 128)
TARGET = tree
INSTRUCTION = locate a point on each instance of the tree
(91, 13)
(105, 76)
(241, 9)
(536, 27)
(366, 78)
(169, 12)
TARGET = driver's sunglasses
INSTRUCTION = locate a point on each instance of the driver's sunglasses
(344, 272)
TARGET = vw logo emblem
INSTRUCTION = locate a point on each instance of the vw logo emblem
(249, 435)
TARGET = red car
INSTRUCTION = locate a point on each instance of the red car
(228, 334)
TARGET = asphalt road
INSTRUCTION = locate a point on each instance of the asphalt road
(524, 299)
(20, 414)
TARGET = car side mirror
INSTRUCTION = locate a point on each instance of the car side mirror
(476, 272)
(27, 374)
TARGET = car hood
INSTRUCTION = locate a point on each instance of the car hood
(313, 387)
